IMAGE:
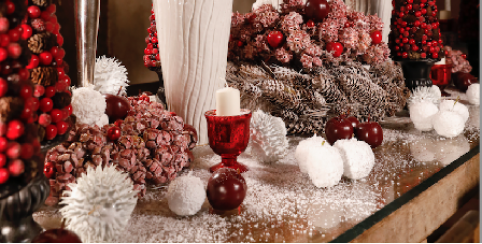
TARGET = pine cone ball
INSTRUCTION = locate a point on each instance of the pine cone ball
(45, 76)
(10, 107)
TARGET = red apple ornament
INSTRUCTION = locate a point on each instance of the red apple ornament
(376, 37)
(336, 48)
(57, 236)
(275, 38)
(338, 128)
(370, 132)
(226, 189)
(117, 107)
(317, 9)
(354, 121)
(463, 80)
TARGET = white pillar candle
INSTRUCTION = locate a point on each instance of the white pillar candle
(448, 5)
(228, 102)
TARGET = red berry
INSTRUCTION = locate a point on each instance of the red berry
(34, 62)
(65, 113)
(45, 15)
(10, 7)
(3, 160)
(13, 150)
(46, 104)
(61, 53)
(3, 144)
(336, 48)
(46, 58)
(275, 38)
(3, 176)
(3, 87)
(435, 55)
(54, 51)
(376, 37)
(62, 127)
(39, 91)
(33, 103)
(49, 169)
(14, 50)
(16, 167)
(114, 133)
(50, 132)
(33, 12)
(27, 113)
(56, 115)
(4, 24)
(26, 32)
(3, 54)
(311, 23)
(69, 108)
(51, 9)
(405, 55)
(50, 91)
(4, 40)
(15, 129)
(26, 92)
(147, 51)
(61, 85)
(60, 40)
(118, 122)
(27, 151)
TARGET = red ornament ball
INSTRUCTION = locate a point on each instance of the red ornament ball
(226, 189)
(49, 169)
(371, 133)
(275, 38)
(114, 133)
(354, 121)
(15, 129)
(62, 127)
(376, 37)
(317, 9)
(50, 132)
(46, 104)
(57, 236)
(46, 58)
(4, 175)
(117, 107)
(336, 48)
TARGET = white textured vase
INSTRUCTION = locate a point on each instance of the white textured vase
(193, 44)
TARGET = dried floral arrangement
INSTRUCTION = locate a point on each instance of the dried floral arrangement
(307, 76)
(153, 146)
(457, 59)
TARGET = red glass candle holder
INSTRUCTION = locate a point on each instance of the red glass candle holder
(229, 137)
(441, 75)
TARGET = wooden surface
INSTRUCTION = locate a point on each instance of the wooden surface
(417, 219)
(463, 230)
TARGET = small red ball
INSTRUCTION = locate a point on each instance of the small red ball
(336, 48)
(56, 115)
(46, 58)
(3, 54)
(10, 7)
(50, 132)
(376, 37)
(60, 40)
(3, 144)
(26, 92)
(16, 167)
(62, 127)
(14, 35)
(3, 160)
(46, 104)
(27, 151)
(50, 91)
(34, 62)
(114, 133)
(39, 91)
(26, 32)
(13, 150)
(49, 169)
(275, 38)
(44, 120)
(33, 12)
(226, 189)
(3, 87)
(15, 129)
(4, 175)
(33, 103)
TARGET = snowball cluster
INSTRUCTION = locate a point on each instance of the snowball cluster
(473, 94)
(88, 105)
(448, 123)
(305, 146)
(421, 114)
(186, 195)
(324, 165)
(457, 107)
(358, 158)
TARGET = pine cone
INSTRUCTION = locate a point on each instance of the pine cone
(42, 3)
(45, 76)
(10, 107)
(41, 42)
(61, 100)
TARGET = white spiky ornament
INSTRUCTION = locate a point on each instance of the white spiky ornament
(268, 140)
(110, 76)
(425, 94)
(99, 205)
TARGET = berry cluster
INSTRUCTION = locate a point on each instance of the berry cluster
(19, 144)
(151, 145)
(48, 70)
(415, 30)
(306, 35)
(151, 52)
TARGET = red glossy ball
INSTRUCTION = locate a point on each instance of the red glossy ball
(370, 132)
(26, 32)
(226, 189)
(114, 133)
(336, 48)
(49, 169)
(317, 9)
(15, 129)
(57, 236)
(3, 87)
(376, 37)
(4, 175)
(275, 38)
(46, 104)
(33, 12)
(117, 107)
(50, 132)
(354, 121)
(56, 115)
(50, 91)
(27, 151)
(463, 80)
(34, 62)
(3, 160)
(62, 127)
(338, 128)
(46, 58)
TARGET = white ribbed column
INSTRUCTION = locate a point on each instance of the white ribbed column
(193, 43)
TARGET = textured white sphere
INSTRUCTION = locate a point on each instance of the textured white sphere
(186, 195)
(305, 146)
(88, 105)
(325, 166)
(421, 115)
(473, 94)
(448, 123)
(451, 105)
(358, 158)
(435, 90)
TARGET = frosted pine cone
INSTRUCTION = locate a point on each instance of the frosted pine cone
(291, 22)
(283, 55)
(298, 40)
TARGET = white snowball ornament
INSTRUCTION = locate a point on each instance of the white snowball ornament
(186, 195)
(425, 94)
(110, 76)
(99, 205)
(88, 105)
(421, 114)
(324, 165)
(268, 140)
(448, 123)
(358, 158)
(304, 147)
(455, 106)
(473, 94)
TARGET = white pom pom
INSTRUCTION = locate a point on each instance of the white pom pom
(110, 76)
(435, 90)
(425, 94)
(358, 158)
(99, 205)
(448, 123)
(186, 195)
(421, 115)
(304, 147)
(473, 94)
(324, 165)
(104, 120)
(275, 3)
(88, 105)
(268, 140)
(451, 105)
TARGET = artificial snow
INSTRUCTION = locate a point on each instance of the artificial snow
(358, 158)
(421, 114)
(451, 105)
(186, 195)
(448, 123)
(473, 94)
